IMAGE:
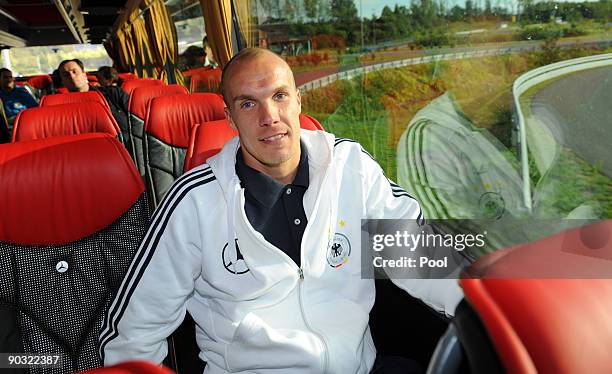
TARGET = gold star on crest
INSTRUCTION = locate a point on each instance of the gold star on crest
(341, 223)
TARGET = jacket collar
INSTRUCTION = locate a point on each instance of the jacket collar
(265, 189)
(318, 143)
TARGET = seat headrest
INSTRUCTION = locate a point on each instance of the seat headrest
(73, 97)
(40, 81)
(140, 97)
(170, 118)
(127, 76)
(58, 190)
(309, 123)
(549, 318)
(192, 72)
(132, 84)
(64, 119)
(206, 140)
(206, 81)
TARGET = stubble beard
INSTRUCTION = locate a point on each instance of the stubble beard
(270, 164)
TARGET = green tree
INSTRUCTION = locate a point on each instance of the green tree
(424, 13)
(290, 10)
(272, 7)
(344, 10)
(388, 24)
(403, 19)
(469, 10)
(457, 13)
(312, 8)
(602, 11)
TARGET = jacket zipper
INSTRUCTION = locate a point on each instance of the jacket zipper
(288, 259)
(308, 326)
(299, 284)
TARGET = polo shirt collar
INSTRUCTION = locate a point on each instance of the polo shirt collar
(264, 188)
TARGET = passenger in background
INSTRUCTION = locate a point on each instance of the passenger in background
(15, 99)
(108, 76)
(192, 58)
(74, 79)
(209, 58)
(57, 81)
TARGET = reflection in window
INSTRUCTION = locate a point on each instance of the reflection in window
(426, 88)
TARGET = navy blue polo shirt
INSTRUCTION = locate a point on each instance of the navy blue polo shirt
(274, 209)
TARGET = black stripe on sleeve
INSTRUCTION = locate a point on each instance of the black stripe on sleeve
(147, 249)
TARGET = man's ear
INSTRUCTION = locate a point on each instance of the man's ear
(228, 115)
(299, 100)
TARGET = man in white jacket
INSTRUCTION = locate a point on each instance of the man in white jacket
(262, 244)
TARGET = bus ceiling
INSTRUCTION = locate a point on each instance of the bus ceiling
(55, 22)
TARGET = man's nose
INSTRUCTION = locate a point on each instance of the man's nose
(268, 114)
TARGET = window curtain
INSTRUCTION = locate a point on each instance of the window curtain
(245, 21)
(111, 48)
(218, 24)
(141, 44)
(126, 48)
(163, 40)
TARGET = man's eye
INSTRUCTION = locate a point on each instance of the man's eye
(247, 105)
(280, 96)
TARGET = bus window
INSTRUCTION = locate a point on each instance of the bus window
(29, 61)
(447, 99)
(189, 23)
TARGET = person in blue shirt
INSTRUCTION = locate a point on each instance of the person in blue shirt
(14, 98)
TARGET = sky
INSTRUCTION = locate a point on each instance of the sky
(370, 7)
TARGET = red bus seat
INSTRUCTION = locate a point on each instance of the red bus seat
(192, 72)
(137, 112)
(309, 123)
(207, 139)
(167, 128)
(131, 367)
(74, 213)
(541, 307)
(40, 82)
(73, 97)
(206, 81)
(127, 76)
(130, 85)
(64, 119)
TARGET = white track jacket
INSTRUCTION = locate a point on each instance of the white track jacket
(255, 310)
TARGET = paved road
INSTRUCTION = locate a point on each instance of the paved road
(307, 76)
(352, 62)
(578, 109)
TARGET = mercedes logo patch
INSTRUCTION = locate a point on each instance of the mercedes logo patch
(233, 260)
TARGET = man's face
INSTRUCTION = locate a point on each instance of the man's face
(73, 77)
(104, 82)
(264, 106)
(7, 82)
(209, 54)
